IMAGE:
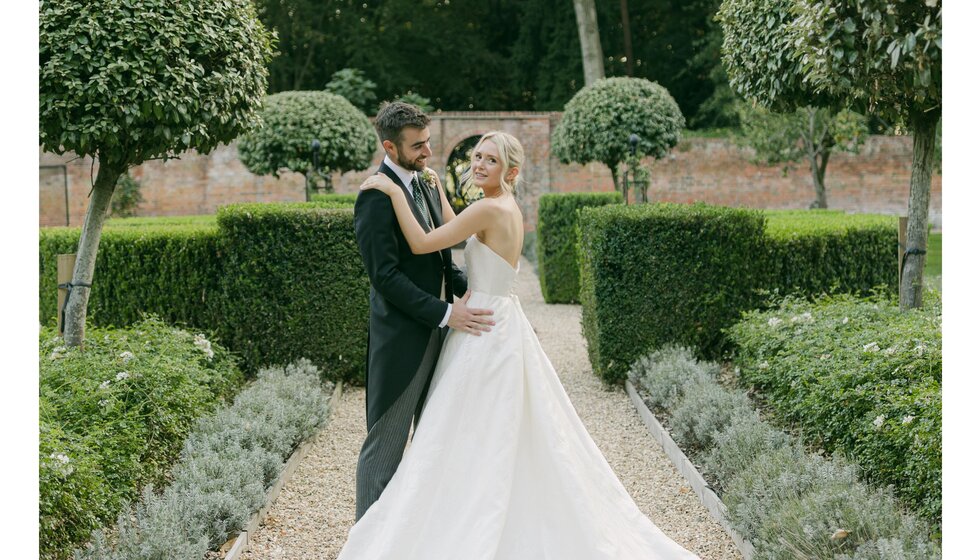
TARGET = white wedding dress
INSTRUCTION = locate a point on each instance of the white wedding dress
(500, 466)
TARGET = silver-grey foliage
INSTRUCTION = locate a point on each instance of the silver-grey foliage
(705, 410)
(738, 445)
(665, 375)
(226, 466)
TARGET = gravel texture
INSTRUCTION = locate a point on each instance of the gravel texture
(315, 509)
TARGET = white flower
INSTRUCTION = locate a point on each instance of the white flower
(63, 468)
(104, 402)
(58, 353)
(871, 347)
(774, 321)
(126, 356)
(920, 350)
(845, 321)
(104, 384)
(907, 419)
(807, 317)
(764, 365)
(122, 375)
(204, 345)
(60, 457)
(890, 350)
(824, 356)
(879, 421)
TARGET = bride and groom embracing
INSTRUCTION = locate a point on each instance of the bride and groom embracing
(500, 466)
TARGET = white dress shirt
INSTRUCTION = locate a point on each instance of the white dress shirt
(406, 177)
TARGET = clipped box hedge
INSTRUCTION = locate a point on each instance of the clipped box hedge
(812, 252)
(277, 282)
(335, 198)
(857, 376)
(558, 266)
(654, 274)
(294, 287)
(670, 273)
(168, 268)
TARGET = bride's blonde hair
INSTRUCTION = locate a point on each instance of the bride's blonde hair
(511, 155)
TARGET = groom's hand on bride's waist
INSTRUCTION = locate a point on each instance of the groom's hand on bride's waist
(472, 321)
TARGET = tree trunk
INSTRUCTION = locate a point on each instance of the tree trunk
(818, 154)
(88, 248)
(923, 144)
(616, 185)
(588, 35)
(624, 12)
(819, 173)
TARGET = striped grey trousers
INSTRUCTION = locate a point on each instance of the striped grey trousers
(385, 442)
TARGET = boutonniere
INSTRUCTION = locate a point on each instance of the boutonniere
(428, 178)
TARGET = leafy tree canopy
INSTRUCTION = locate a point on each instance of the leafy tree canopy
(130, 82)
(291, 120)
(598, 121)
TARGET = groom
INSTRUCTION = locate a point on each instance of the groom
(411, 299)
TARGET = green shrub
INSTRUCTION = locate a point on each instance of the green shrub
(277, 282)
(664, 273)
(335, 198)
(170, 270)
(557, 237)
(858, 376)
(293, 287)
(126, 198)
(814, 252)
(226, 466)
(114, 417)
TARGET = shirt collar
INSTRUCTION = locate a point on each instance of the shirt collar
(405, 175)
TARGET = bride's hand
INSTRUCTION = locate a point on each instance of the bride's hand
(381, 182)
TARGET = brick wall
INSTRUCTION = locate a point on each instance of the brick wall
(699, 169)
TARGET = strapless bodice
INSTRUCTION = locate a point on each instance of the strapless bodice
(486, 271)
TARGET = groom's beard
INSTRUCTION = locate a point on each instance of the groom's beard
(409, 164)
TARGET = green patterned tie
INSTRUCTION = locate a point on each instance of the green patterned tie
(417, 195)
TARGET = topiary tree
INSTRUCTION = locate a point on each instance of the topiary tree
(291, 120)
(127, 83)
(809, 133)
(353, 85)
(882, 55)
(599, 119)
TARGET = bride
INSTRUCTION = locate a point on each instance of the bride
(500, 466)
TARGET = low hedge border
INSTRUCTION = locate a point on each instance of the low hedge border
(294, 287)
(347, 199)
(557, 258)
(276, 282)
(788, 503)
(113, 418)
(810, 252)
(227, 466)
(167, 268)
(859, 376)
(671, 273)
(659, 273)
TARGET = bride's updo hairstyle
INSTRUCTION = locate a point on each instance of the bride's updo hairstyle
(511, 155)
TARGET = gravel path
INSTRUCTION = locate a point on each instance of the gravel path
(315, 510)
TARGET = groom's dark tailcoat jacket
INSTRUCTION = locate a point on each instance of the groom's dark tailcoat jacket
(405, 304)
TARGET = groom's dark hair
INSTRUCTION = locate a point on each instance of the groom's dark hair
(395, 116)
